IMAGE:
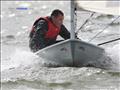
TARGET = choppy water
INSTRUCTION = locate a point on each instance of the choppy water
(22, 70)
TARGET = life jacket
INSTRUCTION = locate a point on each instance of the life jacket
(53, 31)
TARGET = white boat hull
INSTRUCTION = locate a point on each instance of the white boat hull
(71, 53)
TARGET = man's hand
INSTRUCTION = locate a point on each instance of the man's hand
(77, 37)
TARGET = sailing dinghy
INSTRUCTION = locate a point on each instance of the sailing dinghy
(73, 52)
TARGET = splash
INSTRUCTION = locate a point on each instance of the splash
(21, 58)
(114, 53)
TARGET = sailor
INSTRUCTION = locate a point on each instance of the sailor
(46, 29)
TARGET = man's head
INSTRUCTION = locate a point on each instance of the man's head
(57, 17)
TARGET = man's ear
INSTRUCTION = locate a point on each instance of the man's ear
(53, 17)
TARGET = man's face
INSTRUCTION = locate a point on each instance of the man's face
(58, 21)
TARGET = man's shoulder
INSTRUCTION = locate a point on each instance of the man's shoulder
(42, 20)
(41, 24)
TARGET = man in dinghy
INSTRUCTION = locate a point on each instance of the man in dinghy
(46, 29)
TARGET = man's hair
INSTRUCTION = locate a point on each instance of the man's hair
(57, 12)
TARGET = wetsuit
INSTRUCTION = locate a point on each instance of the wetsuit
(44, 33)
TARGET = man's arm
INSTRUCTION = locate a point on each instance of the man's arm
(38, 40)
(64, 32)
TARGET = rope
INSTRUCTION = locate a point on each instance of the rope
(103, 29)
(85, 22)
(108, 41)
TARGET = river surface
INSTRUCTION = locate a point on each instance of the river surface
(23, 70)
